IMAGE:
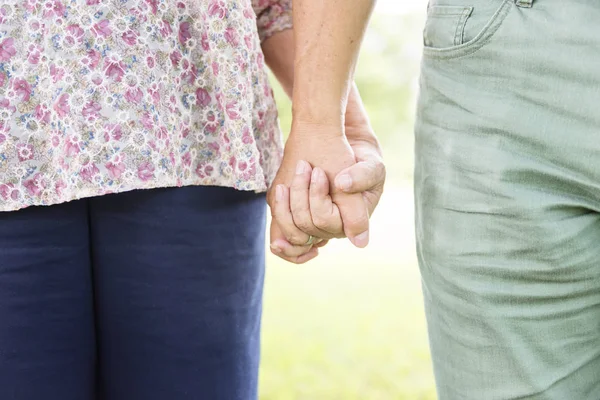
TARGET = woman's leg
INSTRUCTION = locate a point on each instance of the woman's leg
(179, 277)
(47, 348)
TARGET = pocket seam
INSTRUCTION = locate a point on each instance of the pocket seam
(460, 27)
(477, 42)
(457, 14)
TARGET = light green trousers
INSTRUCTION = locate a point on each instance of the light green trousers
(507, 189)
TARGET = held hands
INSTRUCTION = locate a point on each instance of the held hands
(293, 222)
(336, 197)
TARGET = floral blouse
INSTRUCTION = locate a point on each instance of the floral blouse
(106, 96)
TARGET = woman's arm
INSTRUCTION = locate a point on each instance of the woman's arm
(279, 56)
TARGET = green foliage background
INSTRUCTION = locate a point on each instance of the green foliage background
(350, 325)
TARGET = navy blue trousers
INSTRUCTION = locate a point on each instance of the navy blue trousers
(146, 295)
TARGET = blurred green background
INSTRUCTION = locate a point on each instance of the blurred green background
(350, 324)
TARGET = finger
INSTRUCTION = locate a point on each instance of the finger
(299, 198)
(283, 216)
(325, 214)
(282, 248)
(355, 217)
(372, 198)
(301, 259)
(322, 243)
(299, 201)
(285, 250)
(313, 253)
(362, 176)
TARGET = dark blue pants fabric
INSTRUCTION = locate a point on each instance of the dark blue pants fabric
(146, 295)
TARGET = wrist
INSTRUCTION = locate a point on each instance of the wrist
(314, 108)
(316, 117)
(356, 118)
(317, 101)
(318, 129)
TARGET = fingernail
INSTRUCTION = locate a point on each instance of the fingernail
(361, 240)
(275, 249)
(300, 167)
(278, 193)
(344, 182)
(315, 175)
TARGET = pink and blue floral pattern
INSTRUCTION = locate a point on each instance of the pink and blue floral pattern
(105, 96)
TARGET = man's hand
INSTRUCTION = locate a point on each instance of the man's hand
(367, 176)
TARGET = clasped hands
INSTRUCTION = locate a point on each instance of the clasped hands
(329, 183)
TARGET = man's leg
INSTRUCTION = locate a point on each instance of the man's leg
(47, 345)
(507, 193)
(179, 276)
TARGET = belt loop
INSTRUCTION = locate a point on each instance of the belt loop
(524, 3)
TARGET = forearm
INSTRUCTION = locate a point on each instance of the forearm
(327, 39)
(279, 56)
(274, 23)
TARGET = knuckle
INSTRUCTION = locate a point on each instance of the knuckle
(300, 211)
(302, 219)
(304, 225)
(379, 168)
(320, 222)
(323, 223)
(293, 238)
(330, 230)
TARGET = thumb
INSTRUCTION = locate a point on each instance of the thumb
(360, 177)
(276, 234)
(355, 217)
